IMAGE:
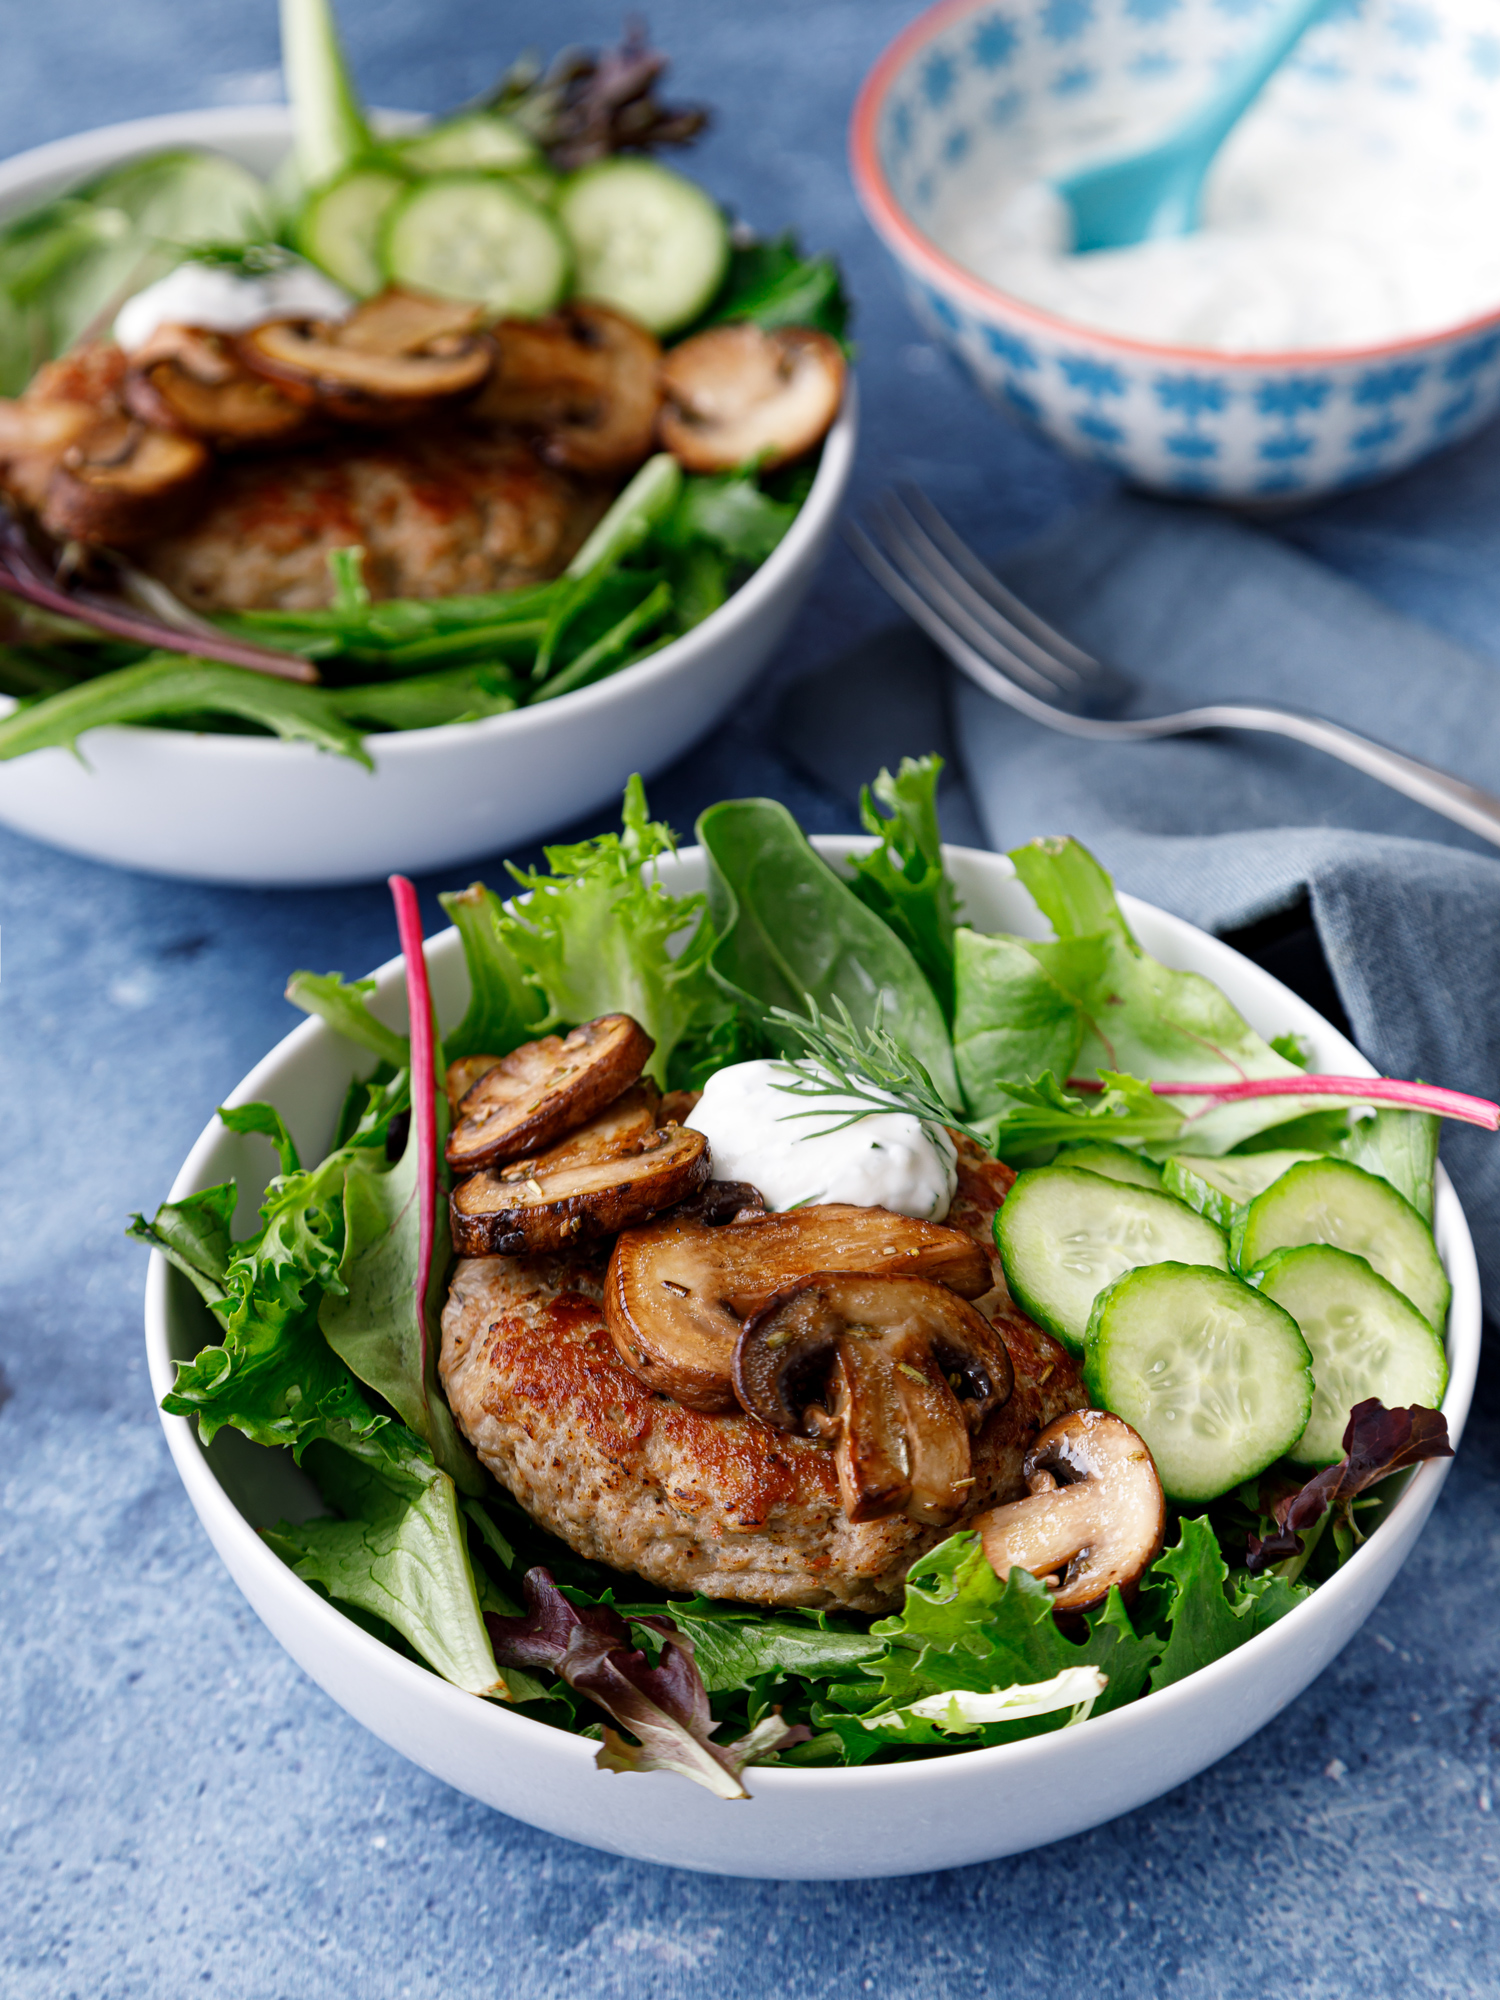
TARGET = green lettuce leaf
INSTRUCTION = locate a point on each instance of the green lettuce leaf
(1208, 1613)
(732, 512)
(1400, 1146)
(594, 935)
(788, 929)
(504, 1008)
(1126, 1112)
(268, 1121)
(1011, 1023)
(904, 881)
(342, 1004)
(399, 1554)
(735, 1648)
(194, 1236)
(773, 284)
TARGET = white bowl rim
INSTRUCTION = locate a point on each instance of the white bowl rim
(902, 234)
(88, 149)
(420, 1683)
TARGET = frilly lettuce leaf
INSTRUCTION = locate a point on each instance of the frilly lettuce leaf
(504, 1007)
(904, 881)
(1207, 1613)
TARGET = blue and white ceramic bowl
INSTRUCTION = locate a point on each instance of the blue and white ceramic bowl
(976, 90)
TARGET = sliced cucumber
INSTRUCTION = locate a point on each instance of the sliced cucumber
(1215, 1376)
(339, 227)
(1064, 1234)
(1217, 1188)
(477, 236)
(1365, 1338)
(1330, 1201)
(645, 240)
(478, 139)
(1116, 1163)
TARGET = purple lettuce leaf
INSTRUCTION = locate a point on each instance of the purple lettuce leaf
(1377, 1442)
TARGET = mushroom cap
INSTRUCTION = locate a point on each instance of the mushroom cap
(1095, 1511)
(530, 1098)
(740, 395)
(191, 380)
(586, 379)
(677, 1293)
(398, 355)
(895, 1372)
(122, 482)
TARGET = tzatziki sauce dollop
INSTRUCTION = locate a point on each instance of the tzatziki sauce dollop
(225, 299)
(757, 1132)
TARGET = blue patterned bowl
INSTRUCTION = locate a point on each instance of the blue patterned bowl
(973, 89)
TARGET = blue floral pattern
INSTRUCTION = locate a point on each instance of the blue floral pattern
(982, 85)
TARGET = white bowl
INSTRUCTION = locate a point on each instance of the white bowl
(968, 95)
(252, 809)
(801, 1824)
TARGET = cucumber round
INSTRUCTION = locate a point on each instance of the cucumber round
(1215, 1376)
(1366, 1340)
(477, 236)
(1218, 1188)
(1116, 1163)
(1330, 1201)
(1064, 1234)
(339, 226)
(645, 240)
(478, 139)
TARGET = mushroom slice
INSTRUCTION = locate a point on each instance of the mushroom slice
(396, 357)
(1095, 1512)
(895, 1373)
(191, 380)
(462, 1077)
(586, 378)
(122, 482)
(577, 1198)
(531, 1097)
(738, 395)
(677, 1293)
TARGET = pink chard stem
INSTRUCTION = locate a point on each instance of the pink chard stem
(1364, 1089)
(423, 1087)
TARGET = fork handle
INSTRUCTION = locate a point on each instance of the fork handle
(1467, 805)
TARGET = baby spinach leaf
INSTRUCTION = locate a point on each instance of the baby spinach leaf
(1012, 1022)
(904, 881)
(398, 1553)
(504, 1007)
(788, 929)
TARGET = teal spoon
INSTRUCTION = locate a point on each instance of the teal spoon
(1157, 193)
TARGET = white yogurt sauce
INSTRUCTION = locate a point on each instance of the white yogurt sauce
(883, 1160)
(1308, 241)
(228, 301)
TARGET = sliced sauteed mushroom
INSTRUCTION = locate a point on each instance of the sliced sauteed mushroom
(462, 1076)
(122, 482)
(738, 395)
(575, 1196)
(192, 380)
(1095, 1512)
(677, 1293)
(585, 378)
(33, 437)
(397, 356)
(894, 1372)
(545, 1088)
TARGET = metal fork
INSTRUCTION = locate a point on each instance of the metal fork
(1006, 649)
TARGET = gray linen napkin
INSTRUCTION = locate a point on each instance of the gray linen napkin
(1228, 830)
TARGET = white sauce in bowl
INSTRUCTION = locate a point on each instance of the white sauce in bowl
(226, 300)
(885, 1159)
(1308, 241)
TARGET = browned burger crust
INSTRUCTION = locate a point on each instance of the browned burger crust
(719, 1504)
(440, 512)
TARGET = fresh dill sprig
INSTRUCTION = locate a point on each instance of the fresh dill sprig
(867, 1065)
(252, 260)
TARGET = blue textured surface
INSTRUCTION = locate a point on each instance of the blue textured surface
(182, 1811)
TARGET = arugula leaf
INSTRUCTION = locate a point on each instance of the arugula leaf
(665, 1707)
(1209, 1613)
(429, 701)
(399, 1554)
(1011, 1022)
(904, 881)
(164, 685)
(503, 1008)
(594, 936)
(773, 284)
(1139, 1015)
(194, 1236)
(341, 1003)
(370, 1318)
(788, 929)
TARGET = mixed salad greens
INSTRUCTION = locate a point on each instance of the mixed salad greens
(541, 191)
(327, 1315)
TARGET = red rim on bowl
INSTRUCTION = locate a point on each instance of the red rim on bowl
(891, 222)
